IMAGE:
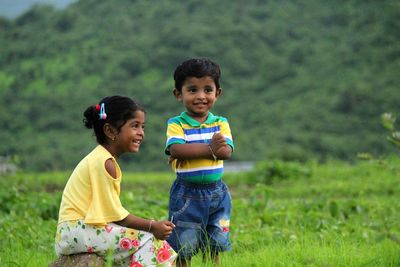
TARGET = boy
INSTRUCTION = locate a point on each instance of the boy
(197, 143)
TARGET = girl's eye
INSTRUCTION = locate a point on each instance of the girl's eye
(137, 126)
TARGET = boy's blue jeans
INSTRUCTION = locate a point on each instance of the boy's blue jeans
(201, 213)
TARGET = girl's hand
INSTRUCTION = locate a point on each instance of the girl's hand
(162, 229)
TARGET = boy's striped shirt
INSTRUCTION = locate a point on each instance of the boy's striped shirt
(185, 130)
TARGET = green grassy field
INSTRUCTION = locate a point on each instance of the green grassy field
(284, 214)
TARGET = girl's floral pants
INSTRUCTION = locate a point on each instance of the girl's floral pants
(125, 246)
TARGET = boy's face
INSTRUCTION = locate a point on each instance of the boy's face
(198, 95)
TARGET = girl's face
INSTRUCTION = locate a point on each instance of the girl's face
(198, 95)
(131, 135)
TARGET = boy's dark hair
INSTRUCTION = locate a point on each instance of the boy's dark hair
(118, 109)
(196, 67)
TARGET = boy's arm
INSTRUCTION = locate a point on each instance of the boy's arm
(190, 151)
(224, 152)
(220, 147)
(217, 147)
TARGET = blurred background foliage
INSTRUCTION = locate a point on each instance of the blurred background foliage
(302, 80)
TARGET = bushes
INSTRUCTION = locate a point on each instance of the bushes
(388, 121)
(267, 172)
(19, 200)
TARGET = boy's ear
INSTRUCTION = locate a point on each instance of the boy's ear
(109, 131)
(218, 92)
(177, 94)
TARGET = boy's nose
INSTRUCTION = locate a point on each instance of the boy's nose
(201, 95)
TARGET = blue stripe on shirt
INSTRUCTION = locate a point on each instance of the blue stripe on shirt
(202, 130)
(202, 141)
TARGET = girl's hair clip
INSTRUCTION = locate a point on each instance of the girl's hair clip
(102, 114)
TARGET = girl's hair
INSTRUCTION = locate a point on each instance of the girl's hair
(196, 67)
(118, 110)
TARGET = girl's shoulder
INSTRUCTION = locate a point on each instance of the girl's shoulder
(100, 152)
(111, 168)
(101, 161)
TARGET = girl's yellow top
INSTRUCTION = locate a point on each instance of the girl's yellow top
(91, 193)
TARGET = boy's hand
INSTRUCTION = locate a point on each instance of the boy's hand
(179, 162)
(171, 159)
(162, 229)
(217, 143)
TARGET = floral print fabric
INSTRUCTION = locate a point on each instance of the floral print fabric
(126, 246)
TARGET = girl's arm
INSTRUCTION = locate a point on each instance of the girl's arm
(131, 221)
(160, 229)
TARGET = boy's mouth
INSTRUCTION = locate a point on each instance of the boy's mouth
(200, 104)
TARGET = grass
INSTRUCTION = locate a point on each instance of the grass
(336, 215)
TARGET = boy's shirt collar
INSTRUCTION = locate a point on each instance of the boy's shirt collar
(192, 122)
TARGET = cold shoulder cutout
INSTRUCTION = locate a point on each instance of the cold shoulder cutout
(110, 168)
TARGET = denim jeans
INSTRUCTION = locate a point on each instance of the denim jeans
(201, 213)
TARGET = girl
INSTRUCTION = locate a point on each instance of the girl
(91, 218)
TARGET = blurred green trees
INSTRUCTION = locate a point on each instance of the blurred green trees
(300, 80)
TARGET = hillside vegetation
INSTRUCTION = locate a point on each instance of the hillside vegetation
(301, 80)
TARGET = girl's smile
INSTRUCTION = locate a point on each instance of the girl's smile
(131, 135)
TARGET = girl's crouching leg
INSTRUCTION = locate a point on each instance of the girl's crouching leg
(124, 246)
